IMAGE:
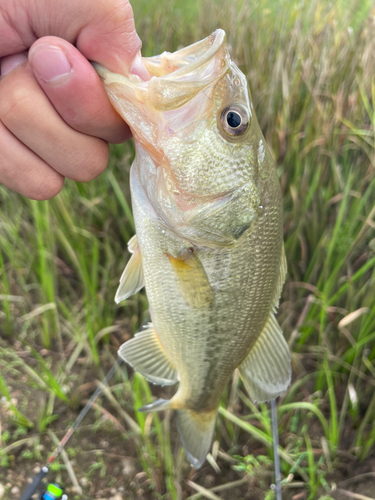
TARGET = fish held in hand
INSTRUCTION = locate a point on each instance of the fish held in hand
(209, 236)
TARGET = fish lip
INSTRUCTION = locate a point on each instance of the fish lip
(176, 78)
(206, 48)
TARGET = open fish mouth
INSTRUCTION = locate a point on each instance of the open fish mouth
(186, 60)
(183, 156)
(175, 77)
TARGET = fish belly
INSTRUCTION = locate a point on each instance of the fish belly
(206, 342)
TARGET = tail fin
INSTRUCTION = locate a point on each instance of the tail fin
(196, 431)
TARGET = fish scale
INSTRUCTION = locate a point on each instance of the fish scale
(208, 216)
(195, 172)
(179, 332)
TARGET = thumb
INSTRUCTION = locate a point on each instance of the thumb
(110, 38)
(102, 30)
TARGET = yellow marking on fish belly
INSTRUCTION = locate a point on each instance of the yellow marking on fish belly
(192, 278)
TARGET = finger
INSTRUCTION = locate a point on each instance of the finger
(75, 90)
(103, 30)
(29, 115)
(24, 172)
(118, 44)
(11, 62)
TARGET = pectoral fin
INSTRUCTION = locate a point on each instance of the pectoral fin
(132, 279)
(192, 279)
(145, 354)
(133, 244)
(266, 371)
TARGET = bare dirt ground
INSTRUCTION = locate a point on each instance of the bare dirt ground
(106, 465)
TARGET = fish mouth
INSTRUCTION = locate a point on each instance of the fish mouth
(185, 60)
(176, 77)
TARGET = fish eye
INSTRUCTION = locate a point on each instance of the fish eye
(235, 120)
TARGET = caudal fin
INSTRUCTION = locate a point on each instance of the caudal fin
(196, 431)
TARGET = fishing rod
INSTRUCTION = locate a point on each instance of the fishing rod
(276, 457)
(54, 491)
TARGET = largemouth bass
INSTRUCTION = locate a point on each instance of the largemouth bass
(209, 236)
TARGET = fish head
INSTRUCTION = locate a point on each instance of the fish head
(197, 138)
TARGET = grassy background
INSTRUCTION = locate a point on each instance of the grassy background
(310, 66)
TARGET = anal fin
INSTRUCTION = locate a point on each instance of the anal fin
(145, 354)
(266, 370)
(132, 279)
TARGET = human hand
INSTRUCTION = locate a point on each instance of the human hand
(55, 118)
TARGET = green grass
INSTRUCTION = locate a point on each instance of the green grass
(311, 67)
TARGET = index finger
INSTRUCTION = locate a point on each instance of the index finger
(103, 30)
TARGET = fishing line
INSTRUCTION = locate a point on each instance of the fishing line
(275, 434)
(37, 481)
(84, 412)
(32, 488)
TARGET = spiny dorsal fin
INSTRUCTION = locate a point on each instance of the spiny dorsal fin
(266, 370)
(145, 354)
(192, 278)
(132, 279)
